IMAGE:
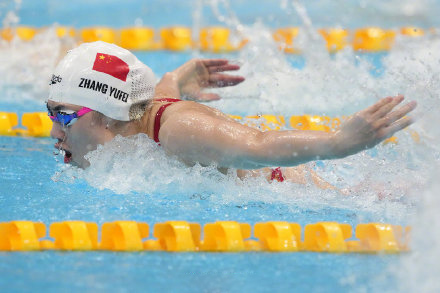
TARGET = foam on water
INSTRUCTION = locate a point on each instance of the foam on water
(420, 269)
(327, 85)
(137, 164)
(27, 66)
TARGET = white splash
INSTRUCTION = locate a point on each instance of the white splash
(420, 269)
(137, 164)
(28, 65)
(331, 85)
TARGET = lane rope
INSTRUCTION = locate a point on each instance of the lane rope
(221, 236)
(221, 39)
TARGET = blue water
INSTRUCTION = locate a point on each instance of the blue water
(189, 272)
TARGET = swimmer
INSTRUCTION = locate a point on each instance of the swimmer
(99, 90)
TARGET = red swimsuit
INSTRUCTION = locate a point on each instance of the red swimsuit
(276, 173)
(159, 115)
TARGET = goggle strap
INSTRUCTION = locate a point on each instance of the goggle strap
(83, 111)
(67, 118)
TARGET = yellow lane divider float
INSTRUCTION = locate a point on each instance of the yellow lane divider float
(176, 39)
(284, 37)
(373, 39)
(221, 236)
(220, 39)
(25, 33)
(217, 40)
(336, 38)
(38, 124)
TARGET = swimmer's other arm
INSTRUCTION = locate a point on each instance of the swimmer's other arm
(189, 80)
(197, 133)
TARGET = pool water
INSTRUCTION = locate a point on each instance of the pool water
(390, 183)
(29, 193)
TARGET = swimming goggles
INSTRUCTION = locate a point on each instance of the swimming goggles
(66, 118)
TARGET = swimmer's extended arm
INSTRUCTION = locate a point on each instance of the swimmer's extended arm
(196, 133)
(192, 77)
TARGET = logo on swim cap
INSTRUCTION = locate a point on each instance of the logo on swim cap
(55, 79)
(111, 65)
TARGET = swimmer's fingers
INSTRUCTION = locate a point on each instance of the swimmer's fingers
(227, 67)
(219, 65)
(381, 103)
(386, 108)
(396, 115)
(213, 62)
(224, 80)
(395, 127)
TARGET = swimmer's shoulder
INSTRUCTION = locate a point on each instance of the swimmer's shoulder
(175, 110)
(191, 110)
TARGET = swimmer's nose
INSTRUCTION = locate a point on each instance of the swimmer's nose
(57, 131)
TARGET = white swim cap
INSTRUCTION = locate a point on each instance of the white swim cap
(104, 78)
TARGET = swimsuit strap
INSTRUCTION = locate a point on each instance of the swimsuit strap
(277, 174)
(159, 115)
(167, 100)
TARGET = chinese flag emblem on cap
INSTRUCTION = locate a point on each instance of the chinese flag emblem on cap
(111, 65)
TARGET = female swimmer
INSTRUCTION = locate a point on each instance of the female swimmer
(100, 90)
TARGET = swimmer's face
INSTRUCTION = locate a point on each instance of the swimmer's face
(79, 138)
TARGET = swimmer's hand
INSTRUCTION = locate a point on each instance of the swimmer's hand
(368, 127)
(189, 80)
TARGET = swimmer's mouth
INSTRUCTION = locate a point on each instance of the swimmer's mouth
(67, 157)
(67, 154)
